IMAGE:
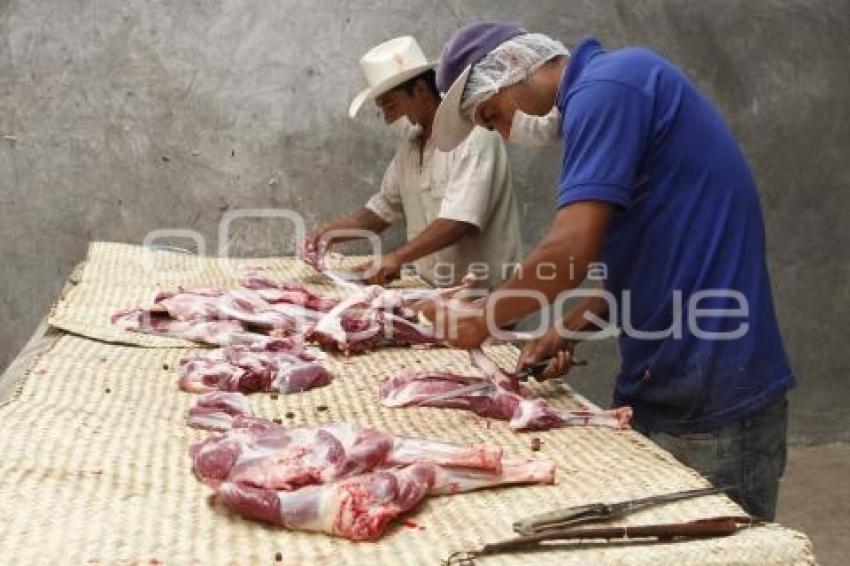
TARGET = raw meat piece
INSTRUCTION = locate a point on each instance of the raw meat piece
(273, 365)
(209, 373)
(358, 508)
(361, 507)
(365, 320)
(250, 308)
(215, 410)
(418, 388)
(537, 414)
(263, 454)
(502, 399)
(217, 332)
(404, 332)
(360, 331)
(279, 458)
(450, 480)
(190, 304)
(349, 330)
(482, 456)
(288, 292)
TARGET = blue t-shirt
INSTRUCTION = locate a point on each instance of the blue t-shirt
(687, 223)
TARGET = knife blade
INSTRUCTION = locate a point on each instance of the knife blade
(598, 512)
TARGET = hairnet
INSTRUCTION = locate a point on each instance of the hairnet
(508, 64)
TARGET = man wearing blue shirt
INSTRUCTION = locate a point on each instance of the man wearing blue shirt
(654, 188)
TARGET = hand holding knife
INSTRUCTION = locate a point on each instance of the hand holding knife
(562, 357)
(532, 370)
(535, 369)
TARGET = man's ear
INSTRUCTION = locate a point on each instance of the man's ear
(420, 88)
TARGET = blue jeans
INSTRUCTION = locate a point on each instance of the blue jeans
(747, 455)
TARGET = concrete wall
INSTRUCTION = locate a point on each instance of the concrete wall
(109, 100)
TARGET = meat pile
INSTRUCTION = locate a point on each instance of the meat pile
(501, 397)
(226, 317)
(370, 317)
(278, 365)
(344, 479)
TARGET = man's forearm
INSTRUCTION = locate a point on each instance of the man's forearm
(437, 235)
(545, 272)
(576, 319)
(362, 219)
(559, 263)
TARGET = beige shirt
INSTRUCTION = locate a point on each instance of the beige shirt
(471, 183)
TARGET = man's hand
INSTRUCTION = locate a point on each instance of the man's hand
(457, 323)
(362, 219)
(314, 237)
(550, 345)
(380, 269)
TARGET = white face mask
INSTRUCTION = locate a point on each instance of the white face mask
(405, 129)
(535, 130)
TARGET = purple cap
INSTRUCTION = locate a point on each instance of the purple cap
(466, 48)
(469, 45)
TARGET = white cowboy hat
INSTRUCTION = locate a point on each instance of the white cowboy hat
(388, 65)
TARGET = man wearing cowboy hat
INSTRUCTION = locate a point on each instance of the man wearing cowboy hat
(654, 186)
(458, 206)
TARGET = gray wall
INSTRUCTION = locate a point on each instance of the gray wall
(108, 100)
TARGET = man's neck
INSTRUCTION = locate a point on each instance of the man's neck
(426, 120)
